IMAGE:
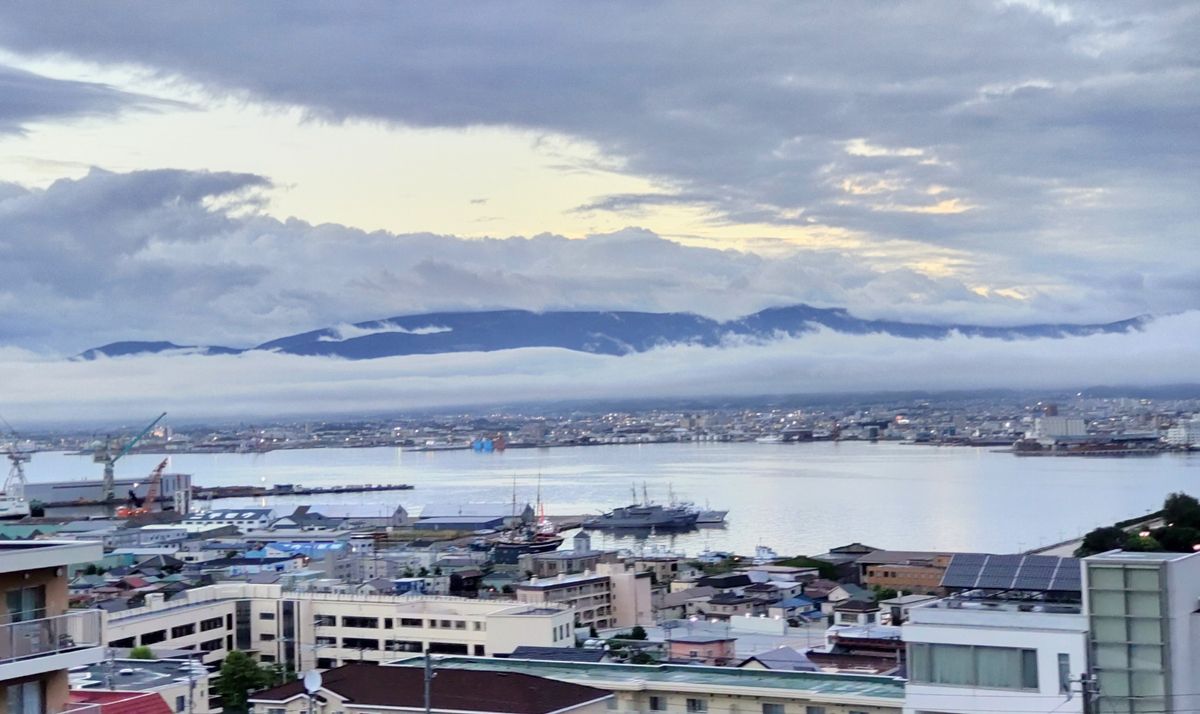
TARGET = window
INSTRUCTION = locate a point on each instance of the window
(387, 623)
(212, 623)
(124, 642)
(368, 623)
(479, 651)
(697, 706)
(211, 645)
(183, 630)
(268, 659)
(180, 703)
(266, 616)
(991, 667)
(410, 622)
(360, 643)
(266, 637)
(460, 625)
(153, 638)
(814, 710)
(478, 626)
(24, 698)
(1064, 672)
(325, 621)
(402, 646)
(769, 708)
(658, 704)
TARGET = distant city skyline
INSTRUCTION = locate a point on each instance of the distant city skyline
(227, 175)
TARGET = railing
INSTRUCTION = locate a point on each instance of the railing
(50, 635)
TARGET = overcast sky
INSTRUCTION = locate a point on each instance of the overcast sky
(231, 173)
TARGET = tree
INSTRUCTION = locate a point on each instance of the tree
(1146, 543)
(1181, 511)
(642, 658)
(141, 652)
(240, 675)
(637, 633)
(91, 569)
(423, 572)
(1102, 539)
(1178, 539)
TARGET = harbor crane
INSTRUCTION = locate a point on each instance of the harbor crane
(140, 506)
(12, 499)
(109, 459)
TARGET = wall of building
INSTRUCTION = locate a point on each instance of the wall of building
(304, 630)
(1048, 634)
(53, 579)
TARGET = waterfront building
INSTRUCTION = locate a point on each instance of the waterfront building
(40, 639)
(1141, 609)
(305, 630)
(696, 689)
(904, 570)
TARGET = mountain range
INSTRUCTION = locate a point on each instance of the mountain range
(597, 332)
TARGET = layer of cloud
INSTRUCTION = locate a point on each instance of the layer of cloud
(187, 257)
(26, 97)
(267, 384)
(1058, 139)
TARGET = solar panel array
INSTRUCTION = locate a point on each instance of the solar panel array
(1044, 573)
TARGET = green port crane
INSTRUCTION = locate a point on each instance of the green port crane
(107, 458)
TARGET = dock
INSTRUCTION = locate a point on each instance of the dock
(218, 492)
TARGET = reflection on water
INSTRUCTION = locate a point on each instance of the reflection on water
(796, 498)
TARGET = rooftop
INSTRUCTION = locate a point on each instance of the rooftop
(1129, 556)
(132, 674)
(699, 678)
(19, 556)
(459, 690)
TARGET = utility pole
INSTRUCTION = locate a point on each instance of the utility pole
(429, 675)
(1090, 690)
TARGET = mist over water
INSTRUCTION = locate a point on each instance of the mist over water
(795, 498)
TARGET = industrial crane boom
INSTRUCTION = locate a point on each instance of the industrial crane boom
(109, 460)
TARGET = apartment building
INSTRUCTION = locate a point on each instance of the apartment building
(613, 595)
(977, 648)
(697, 689)
(1142, 613)
(39, 638)
(305, 630)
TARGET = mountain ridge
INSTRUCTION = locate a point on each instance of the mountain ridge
(605, 332)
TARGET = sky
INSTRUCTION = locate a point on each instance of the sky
(231, 173)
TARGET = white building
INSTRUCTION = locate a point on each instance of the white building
(973, 652)
(244, 519)
(1142, 609)
(610, 596)
(303, 630)
(1053, 427)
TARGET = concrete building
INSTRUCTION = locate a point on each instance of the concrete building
(701, 648)
(40, 639)
(1145, 641)
(693, 689)
(1051, 428)
(612, 596)
(975, 648)
(303, 630)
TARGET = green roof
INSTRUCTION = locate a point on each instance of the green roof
(595, 674)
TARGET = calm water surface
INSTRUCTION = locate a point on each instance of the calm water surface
(796, 498)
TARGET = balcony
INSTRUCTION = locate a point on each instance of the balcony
(46, 644)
